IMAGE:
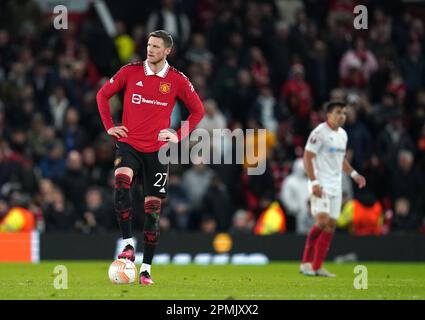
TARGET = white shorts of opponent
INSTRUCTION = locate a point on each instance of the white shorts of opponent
(326, 204)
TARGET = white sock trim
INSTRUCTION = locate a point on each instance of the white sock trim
(128, 241)
(145, 267)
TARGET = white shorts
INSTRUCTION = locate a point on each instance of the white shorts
(326, 204)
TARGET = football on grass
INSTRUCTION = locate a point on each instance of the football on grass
(122, 271)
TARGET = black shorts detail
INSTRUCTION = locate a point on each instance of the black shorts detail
(152, 173)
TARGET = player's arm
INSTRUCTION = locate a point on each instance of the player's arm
(358, 178)
(313, 146)
(110, 88)
(191, 100)
(309, 169)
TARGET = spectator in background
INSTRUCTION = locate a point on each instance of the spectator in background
(94, 173)
(391, 140)
(341, 12)
(124, 43)
(379, 79)
(225, 83)
(386, 111)
(295, 197)
(287, 9)
(240, 96)
(74, 180)
(6, 53)
(59, 214)
(259, 190)
(58, 103)
(22, 18)
(205, 13)
(280, 165)
(208, 225)
(52, 165)
(45, 191)
(255, 150)
(217, 205)
(297, 88)
(237, 45)
(73, 134)
(98, 214)
(198, 51)
(278, 50)
(258, 68)
(381, 35)
(360, 57)
(353, 77)
(176, 211)
(213, 119)
(40, 137)
(412, 67)
(170, 18)
(218, 32)
(405, 219)
(397, 86)
(405, 181)
(359, 138)
(266, 109)
(140, 38)
(195, 182)
(418, 120)
(243, 222)
(319, 73)
(300, 36)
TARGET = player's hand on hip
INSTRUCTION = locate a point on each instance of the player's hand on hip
(167, 136)
(317, 191)
(360, 180)
(118, 132)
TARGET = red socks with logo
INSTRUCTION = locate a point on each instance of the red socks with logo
(310, 244)
(321, 250)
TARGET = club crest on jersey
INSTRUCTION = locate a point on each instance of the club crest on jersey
(164, 87)
(117, 161)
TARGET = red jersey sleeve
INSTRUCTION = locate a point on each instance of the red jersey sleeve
(191, 100)
(110, 88)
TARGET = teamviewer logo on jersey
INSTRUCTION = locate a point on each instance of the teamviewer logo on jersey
(136, 98)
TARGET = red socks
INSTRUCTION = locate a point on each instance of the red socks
(310, 244)
(322, 246)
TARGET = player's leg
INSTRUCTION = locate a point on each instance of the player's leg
(125, 166)
(151, 236)
(155, 176)
(324, 240)
(322, 247)
(310, 244)
(319, 210)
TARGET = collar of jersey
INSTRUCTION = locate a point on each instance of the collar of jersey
(162, 73)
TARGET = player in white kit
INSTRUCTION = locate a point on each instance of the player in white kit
(324, 161)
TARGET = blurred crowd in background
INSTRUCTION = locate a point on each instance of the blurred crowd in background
(255, 64)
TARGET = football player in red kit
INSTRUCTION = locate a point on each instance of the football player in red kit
(151, 88)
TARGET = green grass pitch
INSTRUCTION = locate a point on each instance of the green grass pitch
(280, 280)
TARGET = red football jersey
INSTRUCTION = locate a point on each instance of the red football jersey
(148, 102)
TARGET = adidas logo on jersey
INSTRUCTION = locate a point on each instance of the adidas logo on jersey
(162, 190)
(140, 84)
